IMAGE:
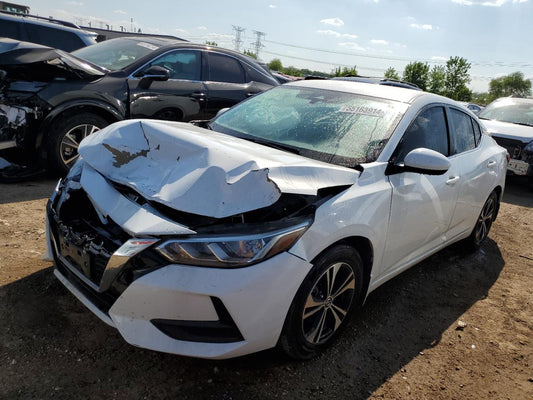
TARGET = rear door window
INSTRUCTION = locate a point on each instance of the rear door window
(10, 29)
(55, 38)
(223, 68)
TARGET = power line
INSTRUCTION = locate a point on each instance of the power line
(404, 59)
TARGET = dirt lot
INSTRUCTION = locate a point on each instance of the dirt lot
(406, 343)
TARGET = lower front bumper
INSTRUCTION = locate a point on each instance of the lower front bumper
(257, 299)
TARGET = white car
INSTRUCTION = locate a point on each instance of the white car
(510, 122)
(274, 221)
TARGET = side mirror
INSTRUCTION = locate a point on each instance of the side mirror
(154, 73)
(423, 161)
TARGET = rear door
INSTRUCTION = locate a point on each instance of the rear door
(181, 98)
(228, 82)
(477, 167)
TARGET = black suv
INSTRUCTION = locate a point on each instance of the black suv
(49, 32)
(50, 100)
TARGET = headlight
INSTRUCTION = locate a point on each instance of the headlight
(529, 147)
(231, 251)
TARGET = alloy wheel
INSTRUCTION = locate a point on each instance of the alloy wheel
(485, 219)
(328, 303)
(71, 140)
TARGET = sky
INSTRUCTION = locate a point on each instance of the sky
(372, 35)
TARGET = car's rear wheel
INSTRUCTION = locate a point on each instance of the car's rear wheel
(66, 137)
(323, 303)
(484, 222)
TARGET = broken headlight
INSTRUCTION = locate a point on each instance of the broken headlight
(231, 251)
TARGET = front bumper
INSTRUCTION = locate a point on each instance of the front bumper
(255, 299)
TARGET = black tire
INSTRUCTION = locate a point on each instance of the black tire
(323, 303)
(484, 222)
(65, 137)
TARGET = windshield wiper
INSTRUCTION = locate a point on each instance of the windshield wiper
(275, 145)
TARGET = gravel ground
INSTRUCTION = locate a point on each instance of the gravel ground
(457, 326)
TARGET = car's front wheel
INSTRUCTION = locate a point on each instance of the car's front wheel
(66, 137)
(323, 303)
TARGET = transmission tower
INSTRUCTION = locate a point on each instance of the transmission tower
(238, 41)
(257, 44)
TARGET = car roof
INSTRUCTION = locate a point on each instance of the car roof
(378, 81)
(55, 24)
(382, 91)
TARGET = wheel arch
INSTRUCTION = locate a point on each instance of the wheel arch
(365, 249)
(499, 191)
(106, 111)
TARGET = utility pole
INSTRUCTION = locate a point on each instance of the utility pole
(238, 41)
(257, 44)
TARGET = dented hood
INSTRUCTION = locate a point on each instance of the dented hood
(33, 62)
(203, 172)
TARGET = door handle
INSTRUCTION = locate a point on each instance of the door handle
(198, 95)
(453, 180)
(250, 94)
(491, 164)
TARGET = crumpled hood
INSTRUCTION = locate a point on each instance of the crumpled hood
(34, 62)
(203, 172)
(509, 130)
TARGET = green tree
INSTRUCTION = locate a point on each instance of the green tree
(456, 79)
(391, 73)
(275, 65)
(214, 44)
(292, 71)
(511, 85)
(250, 53)
(345, 71)
(437, 79)
(418, 73)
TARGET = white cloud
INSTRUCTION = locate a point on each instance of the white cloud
(439, 59)
(181, 31)
(201, 28)
(379, 41)
(329, 32)
(75, 3)
(333, 21)
(272, 6)
(120, 12)
(349, 36)
(352, 46)
(426, 27)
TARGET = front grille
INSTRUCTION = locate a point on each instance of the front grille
(513, 147)
(84, 244)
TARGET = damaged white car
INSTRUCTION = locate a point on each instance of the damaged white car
(271, 223)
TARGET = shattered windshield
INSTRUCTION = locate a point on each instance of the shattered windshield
(509, 110)
(116, 54)
(337, 127)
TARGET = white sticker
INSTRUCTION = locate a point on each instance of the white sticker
(362, 110)
(147, 45)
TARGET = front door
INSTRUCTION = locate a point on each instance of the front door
(181, 98)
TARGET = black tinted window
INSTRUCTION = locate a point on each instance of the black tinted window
(181, 64)
(225, 69)
(253, 75)
(9, 29)
(428, 130)
(462, 132)
(56, 38)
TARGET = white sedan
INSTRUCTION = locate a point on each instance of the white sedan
(271, 223)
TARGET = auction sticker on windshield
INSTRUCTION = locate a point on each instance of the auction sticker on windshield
(362, 110)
